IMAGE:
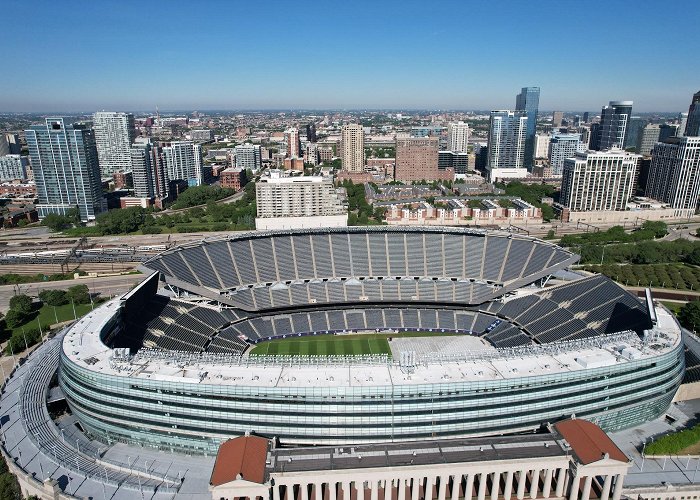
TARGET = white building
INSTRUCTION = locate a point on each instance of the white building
(248, 156)
(13, 167)
(507, 137)
(562, 146)
(542, 145)
(648, 138)
(183, 160)
(114, 135)
(298, 202)
(148, 171)
(353, 147)
(674, 175)
(291, 137)
(458, 137)
(599, 180)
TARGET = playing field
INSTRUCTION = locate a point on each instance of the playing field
(335, 345)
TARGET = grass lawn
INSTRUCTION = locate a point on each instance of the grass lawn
(674, 307)
(677, 443)
(47, 317)
(336, 345)
(674, 276)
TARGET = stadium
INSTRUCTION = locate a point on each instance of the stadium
(365, 335)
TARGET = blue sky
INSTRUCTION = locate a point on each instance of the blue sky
(128, 55)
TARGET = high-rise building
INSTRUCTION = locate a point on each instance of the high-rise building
(114, 135)
(416, 159)
(353, 147)
(674, 174)
(561, 147)
(183, 161)
(667, 130)
(507, 137)
(594, 136)
(148, 171)
(692, 128)
(66, 168)
(634, 131)
(311, 155)
(248, 156)
(613, 124)
(13, 143)
(648, 138)
(311, 132)
(13, 167)
(682, 123)
(291, 137)
(586, 116)
(457, 161)
(528, 101)
(599, 181)
(4, 145)
(542, 145)
(557, 118)
(458, 137)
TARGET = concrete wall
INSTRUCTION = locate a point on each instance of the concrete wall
(272, 223)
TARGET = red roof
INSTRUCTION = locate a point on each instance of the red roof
(243, 455)
(588, 441)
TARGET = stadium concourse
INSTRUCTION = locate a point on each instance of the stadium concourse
(169, 367)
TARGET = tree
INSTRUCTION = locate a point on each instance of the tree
(689, 316)
(15, 318)
(79, 294)
(123, 220)
(54, 297)
(21, 303)
(56, 222)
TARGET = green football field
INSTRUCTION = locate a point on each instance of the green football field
(335, 345)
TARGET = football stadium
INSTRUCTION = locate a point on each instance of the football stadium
(361, 335)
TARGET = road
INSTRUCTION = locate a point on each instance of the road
(105, 286)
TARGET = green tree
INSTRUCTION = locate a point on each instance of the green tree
(56, 222)
(689, 316)
(122, 221)
(79, 294)
(21, 303)
(54, 297)
(15, 318)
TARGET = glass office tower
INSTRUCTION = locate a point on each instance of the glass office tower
(528, 101)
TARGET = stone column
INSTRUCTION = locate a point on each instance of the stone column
(456, 485)
(587, 488)
(331, 491)
(521, 485)
(469, 490)
(547, 486)
(508, 487)
(482, 486)
(318, 491)
(575, 483)
(428, 490)
(442, 487)
(605, 494)
(374, 490)
(346, 490)
(415, 489)
(304, 487)
(276, 492)
(402, 489)
(388, 486)
(534, 483)
(617, 492)
(561, 482)
(495, 485)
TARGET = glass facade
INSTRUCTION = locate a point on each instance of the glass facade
(529, 101)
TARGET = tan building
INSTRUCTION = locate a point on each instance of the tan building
(291, 137)
(294, 164)
(417, 159)
(353, 148)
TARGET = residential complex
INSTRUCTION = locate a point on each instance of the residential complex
(562, 146)
(183, 160)
(614, 119)
(458, 137)
(674, 175)
(114, 135)
(599, 181)
(66, 168)
(353, 147)
(506, 145)
(248, 157)
(13, 167)
(527, 101)
(416, 159)
(291, 137)
(648, 138)
(149, 171)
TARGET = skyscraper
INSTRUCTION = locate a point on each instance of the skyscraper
(542, 145)
(557, 118)
(183, 160)
(292, 138)
(613, 124)
(692, 129)
(353, 147)
(507, 137)
(674, 174)
(458, 137)
(682, 123)
(311, 132)
(13, 167)
(148, 171)
(4, 145)
(648, 138)
(66, 168)
(248, 156)
(667, 130)
(635, 126)
(528, 101)
(417, 159)
(114, 135)
(561, 147)
(596, 181)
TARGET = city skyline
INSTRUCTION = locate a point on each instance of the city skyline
(394, 57)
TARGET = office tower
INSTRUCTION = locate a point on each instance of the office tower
(4, 145)
(585, 136)
(183, 161)
(13, 167)
(311, 132)
(13, 143)
(692, 128)
(527, 101)
(458, 137)
(481, 156)
(682, 123)
(594, 136)
(667, 130)
(674, 174)
(648, 138)
(507, 137)
(353, 147)
(561, 147)
(594, 181)
(416, 159)
(66, 168)
(613, 124)
(291, 137)
(634, 132)
(114, 135)
(542, 145)
(248, 156)
(586, 115)
(557, 118)
(457, 161)
(148, 171)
